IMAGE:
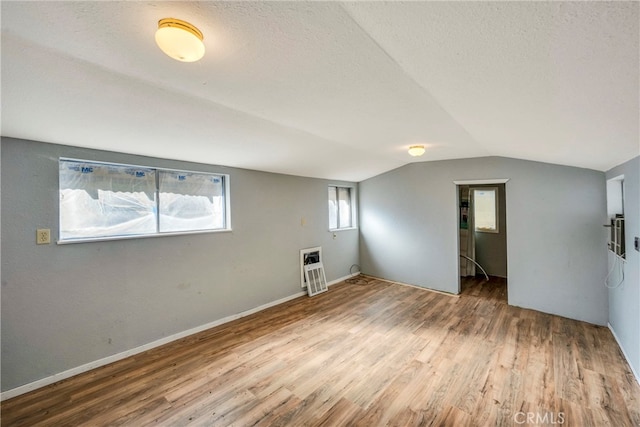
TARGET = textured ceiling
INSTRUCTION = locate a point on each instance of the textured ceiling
(327, 89)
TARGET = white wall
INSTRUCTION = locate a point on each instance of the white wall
(624, 301)
(555, 239)
(64, 306)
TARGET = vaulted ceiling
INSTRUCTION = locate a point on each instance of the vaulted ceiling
(329, 89)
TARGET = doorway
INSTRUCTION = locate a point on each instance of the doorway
(482, 238)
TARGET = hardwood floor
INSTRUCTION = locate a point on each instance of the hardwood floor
(494, 290)
(365, 353)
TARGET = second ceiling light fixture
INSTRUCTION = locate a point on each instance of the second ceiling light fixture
(416, 150)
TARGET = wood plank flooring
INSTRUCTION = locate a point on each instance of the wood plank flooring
(365, 353)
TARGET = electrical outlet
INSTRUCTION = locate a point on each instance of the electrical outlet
(43, 236)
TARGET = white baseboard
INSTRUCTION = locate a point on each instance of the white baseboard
(449, 294)
(635, 373)
(119, 356)
(342, 279)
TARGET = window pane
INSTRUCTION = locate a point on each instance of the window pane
(333, 208)
(190, 201)
(98, 200)
(485, 210)
(109, 200)
(344, 197)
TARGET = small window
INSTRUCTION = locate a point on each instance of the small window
(485, 209)
(340, 208)
(103, 200)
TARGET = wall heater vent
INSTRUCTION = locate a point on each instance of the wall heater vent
(316, 281)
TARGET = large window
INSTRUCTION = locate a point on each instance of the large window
(341, 212)
(485, 209)
(104, 200)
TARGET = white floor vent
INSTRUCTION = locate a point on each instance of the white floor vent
(316, 281)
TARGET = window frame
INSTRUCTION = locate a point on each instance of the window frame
(225, 192)
(495, 210)
(352, 206)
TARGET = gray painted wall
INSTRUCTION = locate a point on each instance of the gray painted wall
(556, 256)
(67, 305)
(624, 301)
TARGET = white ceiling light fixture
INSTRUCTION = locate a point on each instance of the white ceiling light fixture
(416, 150)
(180, 40)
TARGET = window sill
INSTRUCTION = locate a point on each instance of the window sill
(139, 236)
(333, 230)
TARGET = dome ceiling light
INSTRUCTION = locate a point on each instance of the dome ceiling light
(416, 150)
(180, 40)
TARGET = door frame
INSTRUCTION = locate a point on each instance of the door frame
(458, 183)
